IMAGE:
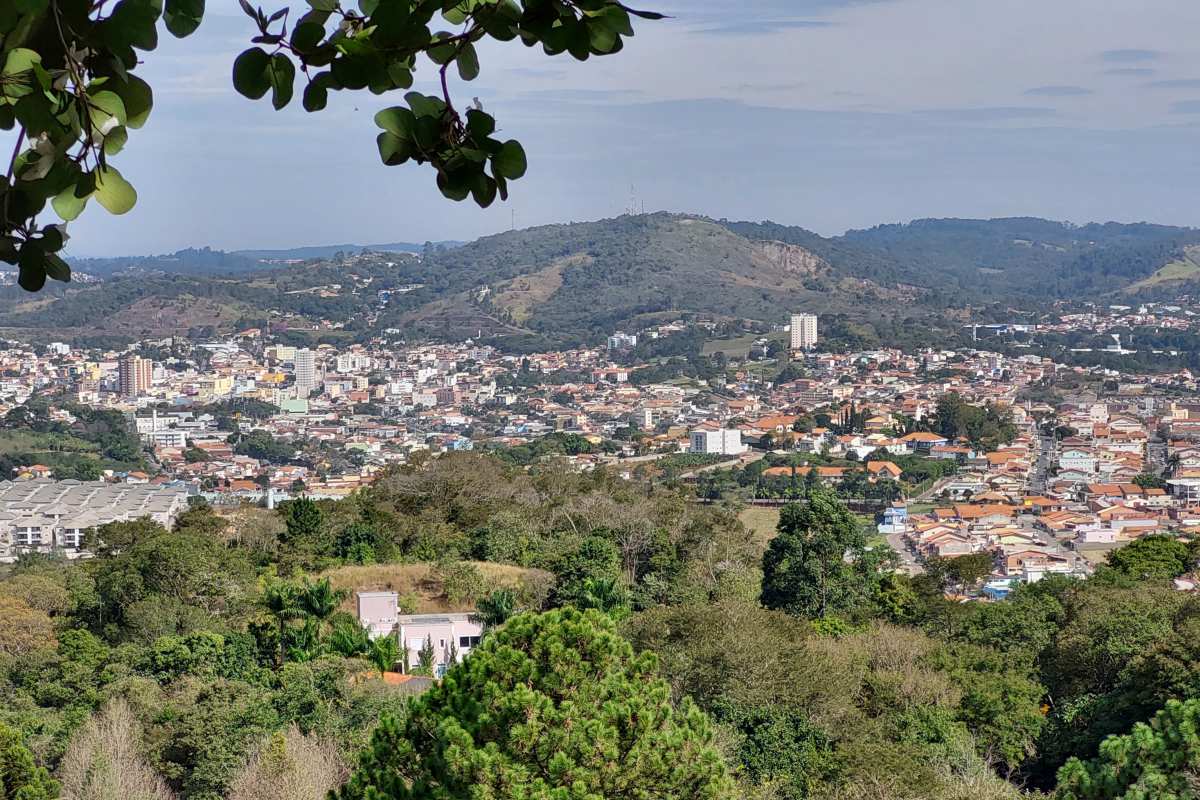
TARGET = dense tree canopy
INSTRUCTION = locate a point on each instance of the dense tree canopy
(815, 565)
(228, 641)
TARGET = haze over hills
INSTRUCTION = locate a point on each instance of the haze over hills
(579, 281)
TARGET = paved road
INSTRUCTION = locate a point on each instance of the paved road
(908, 559)
(745, 460)
(1047, 451)
(928, 494)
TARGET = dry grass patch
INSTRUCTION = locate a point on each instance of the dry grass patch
(422, 586)
(762, 522)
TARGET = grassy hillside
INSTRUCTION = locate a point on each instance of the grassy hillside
(423, 589)
(588, 279)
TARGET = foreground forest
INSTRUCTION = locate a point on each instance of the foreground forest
(638, 644)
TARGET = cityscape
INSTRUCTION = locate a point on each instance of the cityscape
(592, 400)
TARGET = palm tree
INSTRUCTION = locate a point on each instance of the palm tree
(349, 640)
(384, 653)
(604, 594)
(282, 599)
(320, 599)
(306, 642)
(495, 609)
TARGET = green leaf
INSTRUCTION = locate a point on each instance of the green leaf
(32, 264)
(392, 149)
(442, 53)
(483, 189)
(351, 72)
(69, 205)
(20, 60)
(309, 31)
(425, 105)
(115, 141)
(106, 105)
(480, 124)
(283, 80)
(113, 191)
(138, 98)
(396, 120)
(52, 239)
(400, 75)
(453, 187)
(324, 5)
(182, 17)
(316, 93)
(133, 23)
(468, 62)
(57, 269)
(251, 73)
(510, 161)
(17, 81)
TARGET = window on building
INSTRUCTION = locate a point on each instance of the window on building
(468, 641)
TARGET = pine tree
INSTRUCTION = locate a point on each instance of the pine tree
(20, 778)
(1158, 761)
(550, 706)
(425, 657)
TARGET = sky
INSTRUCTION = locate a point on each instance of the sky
(828, 114)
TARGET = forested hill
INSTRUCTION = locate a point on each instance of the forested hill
(563, 284)
(1006, 260)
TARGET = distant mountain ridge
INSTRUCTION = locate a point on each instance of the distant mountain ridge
(570, 283)
(207, 261)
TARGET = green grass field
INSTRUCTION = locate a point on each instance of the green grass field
(733, 348)
(30, 442)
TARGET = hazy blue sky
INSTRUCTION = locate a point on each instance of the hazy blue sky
(829, 114)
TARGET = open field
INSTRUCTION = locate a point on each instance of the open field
(421, 585)
(761, 521)
(18, 441)
(734, 348)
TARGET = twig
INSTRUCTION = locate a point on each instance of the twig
(12, 162)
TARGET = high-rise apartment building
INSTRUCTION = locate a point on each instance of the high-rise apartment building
(804, 331)
(306, 373)
(134, 375)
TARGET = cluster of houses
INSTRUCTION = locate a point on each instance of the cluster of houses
(1114, 471)
(41, 515)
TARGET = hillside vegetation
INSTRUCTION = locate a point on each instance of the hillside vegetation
(566, 284)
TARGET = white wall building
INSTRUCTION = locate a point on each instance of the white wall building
(306, 373)
(719, 442)
(804, 331)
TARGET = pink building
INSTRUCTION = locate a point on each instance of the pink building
(379, 613)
